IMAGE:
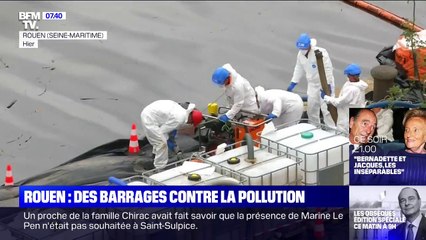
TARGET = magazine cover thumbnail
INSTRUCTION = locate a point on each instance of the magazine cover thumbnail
(387, 212)
(387, 146)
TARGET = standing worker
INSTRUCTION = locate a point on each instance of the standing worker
(352, 95)
(306, 65)
(240, 94)
(160, 121)
(281, 106)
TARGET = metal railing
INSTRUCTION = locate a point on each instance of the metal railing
(320, 156)
(266, 178)
(221, 174)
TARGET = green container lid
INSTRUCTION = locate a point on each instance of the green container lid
(233, 160)
(307, 135)
(194, 177)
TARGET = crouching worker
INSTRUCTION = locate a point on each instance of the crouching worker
(282, 107)
(160, 121)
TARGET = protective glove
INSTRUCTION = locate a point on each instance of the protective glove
(271, 116)
(322, 93)
(171, 145)
(224, 118)
(173, 133)
(291, 86)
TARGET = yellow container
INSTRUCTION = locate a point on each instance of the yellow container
(213, 109)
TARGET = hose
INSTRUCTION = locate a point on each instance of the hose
(401, 104)
(383, 14)
(116, 181)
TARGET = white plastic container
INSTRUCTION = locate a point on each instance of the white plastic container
(323, 150)
(209, 176)
(221, 148)
(279, 134)
(136, 183)
(269, 169)
(136, 180)
(179, 174)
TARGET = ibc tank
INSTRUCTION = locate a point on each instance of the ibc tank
(210, 175)
(322, 151)
(136, 183)
(269, 168)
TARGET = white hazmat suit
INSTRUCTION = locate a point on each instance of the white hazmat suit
(307, 66)
(240, 94)
(287, 106)
(352, 95)
(159, 119)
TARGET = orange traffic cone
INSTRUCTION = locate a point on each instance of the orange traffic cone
(8, 181)
(134, 143)
(319, 228)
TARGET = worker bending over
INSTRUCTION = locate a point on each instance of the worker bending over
(160, 121)
(282, 107)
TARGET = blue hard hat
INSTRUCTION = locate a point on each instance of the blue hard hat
(352, 69)
(304, 41)
(220, 75)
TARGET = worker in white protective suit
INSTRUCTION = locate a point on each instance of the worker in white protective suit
(352, 95)
(160, 121)
(240, 94)
(281, 106)
(306, 65)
